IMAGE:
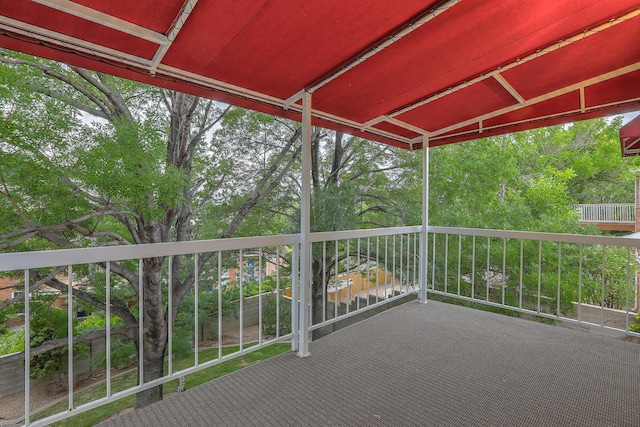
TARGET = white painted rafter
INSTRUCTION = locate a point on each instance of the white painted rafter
(71, 43)
(497, 73)
(507, 86)
(544, 97)
(414, 25)
(541, 52)
(172, 34)
(408, 126)
(104, 19)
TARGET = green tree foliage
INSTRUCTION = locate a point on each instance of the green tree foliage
(355, 184)
(531, 181)
(87, 159)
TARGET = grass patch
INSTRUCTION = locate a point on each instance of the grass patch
(128, 380)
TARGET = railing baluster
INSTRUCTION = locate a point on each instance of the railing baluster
(539, 273)
(358, 276)
(347, 276)
(393, 270)
(626, 288)
(503, 282)
(433, 264)
(241, 281)
(71, 369)
(603, 282)
(415, 258)
(400, 266)
(407, 276)
(378, 269)
(324, 281)
(141, 320)
(386, 265)
(27, 348)
(170, 314)
(580, 283)
(521, 272)
(196, 326)
(446, 263)
(368, 270)
(219, 304)
(459, 261)
(295, 279)
(259, 295)
(107, 345)
(473, 268)
(196, 309)
(278, 292)
(488, 268)
(559, 276)
(336, 301)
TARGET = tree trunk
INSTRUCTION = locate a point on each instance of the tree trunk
(155, 331)
(318, 292)
(153, 369)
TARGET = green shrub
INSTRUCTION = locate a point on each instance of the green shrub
(270, 313)
(11, 342)
(635, 327)
(123, 349)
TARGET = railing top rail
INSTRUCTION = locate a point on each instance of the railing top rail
(61, 257)
(537, 236)
(604, 204)
(361, 234)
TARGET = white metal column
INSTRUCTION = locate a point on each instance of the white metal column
(305, 228)
(424, 239)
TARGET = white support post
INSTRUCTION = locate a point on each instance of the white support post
(305, 227)
(424, 239)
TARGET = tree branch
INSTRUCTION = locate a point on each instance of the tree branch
(116, 99)
(129, 332)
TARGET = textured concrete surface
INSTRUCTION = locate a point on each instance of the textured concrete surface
(424, 365)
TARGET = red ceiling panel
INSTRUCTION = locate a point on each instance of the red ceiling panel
(258, 54)
(569, 102)
(473, 101)
(209, 31)
(617, 90)
(449, 51)
(592, 57)
(298, 47)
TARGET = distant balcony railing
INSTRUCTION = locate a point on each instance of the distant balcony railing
(607, 213)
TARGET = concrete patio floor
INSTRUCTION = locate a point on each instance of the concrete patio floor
(424, 365)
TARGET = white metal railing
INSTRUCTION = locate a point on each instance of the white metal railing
(607, 213)
(574, 278)
(359, 256)
(373, 268)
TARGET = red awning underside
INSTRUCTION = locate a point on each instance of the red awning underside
(392, 71)
(630, 138)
